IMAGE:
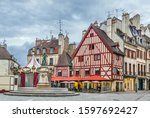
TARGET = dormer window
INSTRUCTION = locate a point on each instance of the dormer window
(51, 50)
(44, 50)
(38, 51)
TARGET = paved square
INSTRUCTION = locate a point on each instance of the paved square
(121, 96)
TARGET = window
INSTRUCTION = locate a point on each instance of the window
(144, 70)
(38, 60)
(38, 51)
(97, 71)
(125, 50)
(141, 69)
(137, 53)
(133, 69)
(128, 53)
(81, 58)
(51, 62)
(15, 81)
(129, 69)
(141, 41)
(130, 40)
(117, 57)
(91, 34)
(126, 68)
(44, 50)
(138, 69)
(132, 54)
(51, 50)
(77, 73)
(97, 57)
(91, 47)
(116, 71)
(59, 73)
(70, 73)
(87, 72)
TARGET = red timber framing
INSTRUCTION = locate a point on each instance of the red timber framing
(98, 57)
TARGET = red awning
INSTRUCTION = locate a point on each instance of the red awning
(75, 78)
(57, 79)
(95, 78)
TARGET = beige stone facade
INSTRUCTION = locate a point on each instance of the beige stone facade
(133, 39)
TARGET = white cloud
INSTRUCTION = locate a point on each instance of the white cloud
(24, 20)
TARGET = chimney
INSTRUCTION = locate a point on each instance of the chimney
(109, 27)
(125, 22)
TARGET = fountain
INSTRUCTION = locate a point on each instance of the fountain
(43, 88)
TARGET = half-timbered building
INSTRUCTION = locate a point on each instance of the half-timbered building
(98, 55)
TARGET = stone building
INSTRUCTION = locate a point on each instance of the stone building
(53, 48)
(129, 34)
(7, 64)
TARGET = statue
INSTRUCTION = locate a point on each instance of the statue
(44, 59)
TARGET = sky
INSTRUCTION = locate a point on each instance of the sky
(22, 21)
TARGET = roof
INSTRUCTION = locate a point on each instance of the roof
(64, 59)
(4, 54)
(53, 43)
(48, 44)
(33, 63)
(75, 78)
(107, 40)
(104, 37)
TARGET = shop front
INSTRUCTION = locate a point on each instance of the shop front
(129, 84)
(142, 83)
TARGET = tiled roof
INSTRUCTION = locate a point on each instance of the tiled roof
(64, 59)
(107, 40)
(48, 44)
(4, 54)
(45, 44)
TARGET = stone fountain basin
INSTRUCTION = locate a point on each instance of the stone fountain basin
(43, 92)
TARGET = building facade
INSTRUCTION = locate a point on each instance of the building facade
(7, 64)
(98, 55)
(130, 36)
(53, 48)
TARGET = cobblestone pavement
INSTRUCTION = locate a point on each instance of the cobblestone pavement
(120, 96)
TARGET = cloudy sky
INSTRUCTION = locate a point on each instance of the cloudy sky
(21, 21)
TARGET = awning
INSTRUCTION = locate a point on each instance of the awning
(76, 78)
(96, 78)
(73, 78)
